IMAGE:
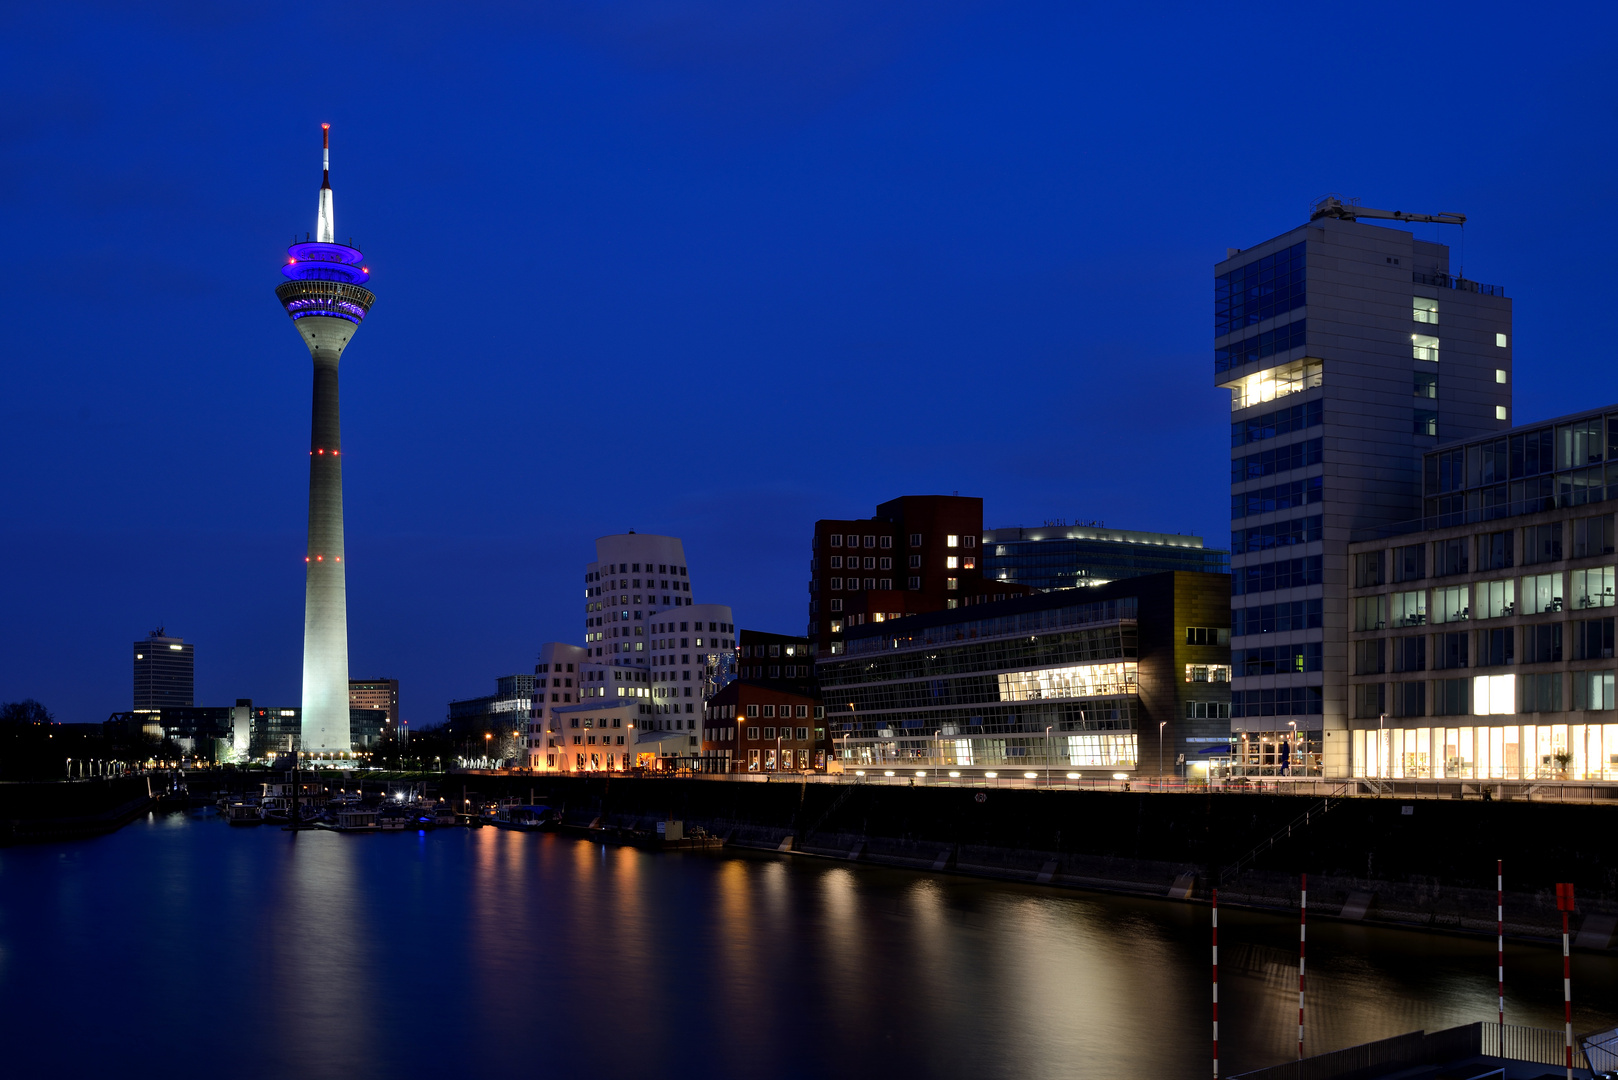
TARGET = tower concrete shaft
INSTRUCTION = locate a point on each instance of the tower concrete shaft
(326, 297)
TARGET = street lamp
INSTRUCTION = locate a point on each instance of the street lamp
(1160, 724)
(1293, 724)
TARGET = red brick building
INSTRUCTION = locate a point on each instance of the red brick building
(748, 727)
(919, 553)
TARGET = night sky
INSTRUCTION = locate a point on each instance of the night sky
(707, 269)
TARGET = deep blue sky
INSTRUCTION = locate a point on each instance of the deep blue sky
(710, 269)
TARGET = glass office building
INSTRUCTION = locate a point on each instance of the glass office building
(1482, 640)
(1127, 677)
(1348, 352)
(1072, 556)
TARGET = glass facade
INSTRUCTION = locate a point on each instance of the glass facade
(1550, 751)
(1262, 289)
(1570, 463)
(1066, 558)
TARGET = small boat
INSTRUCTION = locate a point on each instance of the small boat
(352, 819)
(523, 818)
(243, 812)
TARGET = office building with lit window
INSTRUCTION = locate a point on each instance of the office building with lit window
(1481, 634)
(1130, 677)
(1348, 351)
(920, 553)
(1061, 556)
(165, 671)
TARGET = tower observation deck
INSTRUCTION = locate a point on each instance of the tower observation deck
(326, 295)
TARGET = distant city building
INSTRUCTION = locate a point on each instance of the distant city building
(501, 718)
(1328, 339)
(1071, 556)
(1118, 678)
(764, 727)
(920, 553)
(380, 694)
(1480, 636)
(165, 671)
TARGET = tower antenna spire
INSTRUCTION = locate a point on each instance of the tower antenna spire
(326, 217)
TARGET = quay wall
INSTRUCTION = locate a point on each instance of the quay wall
(71, 809)
(1428, 862)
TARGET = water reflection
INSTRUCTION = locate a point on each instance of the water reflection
(481, 951)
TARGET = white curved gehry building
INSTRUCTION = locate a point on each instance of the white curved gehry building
(651, 654)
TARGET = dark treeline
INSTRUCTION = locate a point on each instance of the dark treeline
(33, 746)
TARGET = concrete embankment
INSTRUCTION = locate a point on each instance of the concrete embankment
(69, 810)
(1428, 863)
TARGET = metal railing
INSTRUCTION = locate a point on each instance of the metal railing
(1512, 1042)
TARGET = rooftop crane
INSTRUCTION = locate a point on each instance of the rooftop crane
(1336, 206)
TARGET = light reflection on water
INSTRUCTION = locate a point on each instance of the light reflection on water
(181, 947)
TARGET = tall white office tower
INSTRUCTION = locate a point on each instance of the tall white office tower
(326, 297)
(1348, 350)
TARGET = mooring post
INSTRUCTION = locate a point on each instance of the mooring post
(1303, 915)
(1216, 983)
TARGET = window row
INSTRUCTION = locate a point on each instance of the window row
(1272, 425)
(1579, 539)
(1278, 659)
(1261, 346)
(872, 562)
(1485, 695)
(1276, 534)
(837, 584)
(1277, 701)
(1276, 382)
(1281, 574)
(1567, 446)
(1487, 751)
(1282, 459)
(1585, 639)
(1275, 618)
(1289, 496)
(1541, 593)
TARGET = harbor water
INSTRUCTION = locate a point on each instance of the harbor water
(180, 946)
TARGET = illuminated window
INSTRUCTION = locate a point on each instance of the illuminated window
(1499, 412)
(969, 563)
(1272, 383)
(1500, 342)
(837, 626)
(1085, 680)
(952, 563)
(952, 584)
(952, 541)
(1424, 346)
(1424, 310)
(1207, 673)
(1499, 375)
(1493, 695)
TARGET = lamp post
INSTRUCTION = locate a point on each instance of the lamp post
(1293, 724)
(486, 737)
(1160, 724)
(938, 751)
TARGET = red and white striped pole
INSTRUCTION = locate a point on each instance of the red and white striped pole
(1564, 904)
(1216, 983)
(1303, 918)
(1500, 945)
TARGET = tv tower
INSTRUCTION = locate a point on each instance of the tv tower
(326, 296)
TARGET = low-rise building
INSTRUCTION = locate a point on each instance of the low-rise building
(764, 727)
(1122, 678)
